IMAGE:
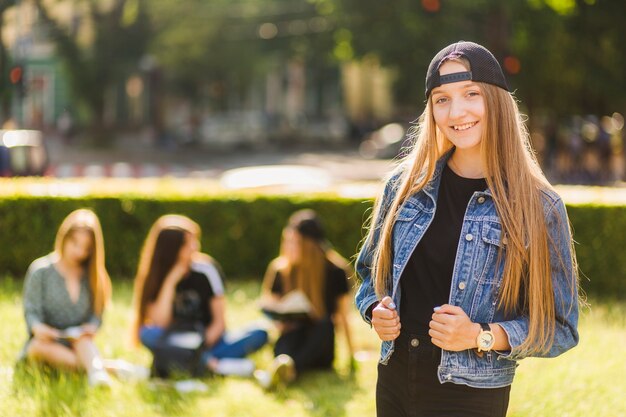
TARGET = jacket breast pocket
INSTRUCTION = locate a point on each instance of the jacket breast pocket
(490, 258)
(410, 209)
(411, 222)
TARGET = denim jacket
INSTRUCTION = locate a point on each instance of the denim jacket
(476, 278)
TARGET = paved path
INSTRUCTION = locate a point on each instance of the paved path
(339, 169)
(136, 161)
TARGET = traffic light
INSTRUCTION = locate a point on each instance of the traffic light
(16, 76)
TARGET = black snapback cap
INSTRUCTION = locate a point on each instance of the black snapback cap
(484, 67)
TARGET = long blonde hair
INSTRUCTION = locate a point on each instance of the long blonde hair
(158, 255)
(99, 280)
(309, 274)
(517, 185)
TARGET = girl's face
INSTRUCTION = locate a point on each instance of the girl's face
(190, 246)
(78, 246)
(459, 109)
(291, 245)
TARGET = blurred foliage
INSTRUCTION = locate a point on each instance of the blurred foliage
(570, 53)
(561, 56)
(120, 32)
(208, 48)
(243, 232)
(600, 241)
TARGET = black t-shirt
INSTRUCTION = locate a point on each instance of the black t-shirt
(425, 282)
(192, 301)
(336, 285)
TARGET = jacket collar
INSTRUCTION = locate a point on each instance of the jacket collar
(432, 188)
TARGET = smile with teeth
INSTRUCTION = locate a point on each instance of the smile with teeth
(464, 126)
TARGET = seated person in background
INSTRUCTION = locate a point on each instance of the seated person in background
(308, 266)
(65, 294)
(178, 286)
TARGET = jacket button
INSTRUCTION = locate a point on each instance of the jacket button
(469, 237)
(481, 200)
(415, 342)
(462, 285)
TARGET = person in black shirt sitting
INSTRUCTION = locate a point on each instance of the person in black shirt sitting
(178, 287)
(308, 267)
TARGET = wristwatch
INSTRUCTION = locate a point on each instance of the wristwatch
(485, 339)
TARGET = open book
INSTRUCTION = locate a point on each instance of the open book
(72, 333)
(185, 339)
(292, 306)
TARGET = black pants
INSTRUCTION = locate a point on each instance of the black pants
(408, 386)
(311, 345)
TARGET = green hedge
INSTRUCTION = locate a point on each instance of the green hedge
(600, 235)
(243, 232)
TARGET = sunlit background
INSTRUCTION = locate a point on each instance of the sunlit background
(224, 109)
(138, 88)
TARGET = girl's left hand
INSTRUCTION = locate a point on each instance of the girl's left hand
(451, 329)
(90, 329)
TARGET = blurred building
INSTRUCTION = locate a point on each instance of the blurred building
(43, 91)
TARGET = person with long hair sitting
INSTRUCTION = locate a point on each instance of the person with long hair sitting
(65, 294)
(176, 284)
(308, 266)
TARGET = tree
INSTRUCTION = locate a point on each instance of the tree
(564, 55)
(208, 48)
(406, 36)
(121, 32)
(572, 56)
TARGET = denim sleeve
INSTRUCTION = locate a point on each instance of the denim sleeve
(366, 294)
(33, 298)
(564, 284)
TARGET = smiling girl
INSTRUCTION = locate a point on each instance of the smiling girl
(468, 265)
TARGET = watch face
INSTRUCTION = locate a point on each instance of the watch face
(486, 340)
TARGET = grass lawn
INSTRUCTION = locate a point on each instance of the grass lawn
(587, 381)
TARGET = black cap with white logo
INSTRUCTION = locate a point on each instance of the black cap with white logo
(484, 67)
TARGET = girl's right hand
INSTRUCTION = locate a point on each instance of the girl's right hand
(44, 332)
(177, 273)
(385, 320)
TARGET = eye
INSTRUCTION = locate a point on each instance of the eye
(441, 100)
(473, 93)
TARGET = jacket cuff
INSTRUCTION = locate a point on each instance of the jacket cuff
(516, 334)
(368, 305)
(368, 312)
